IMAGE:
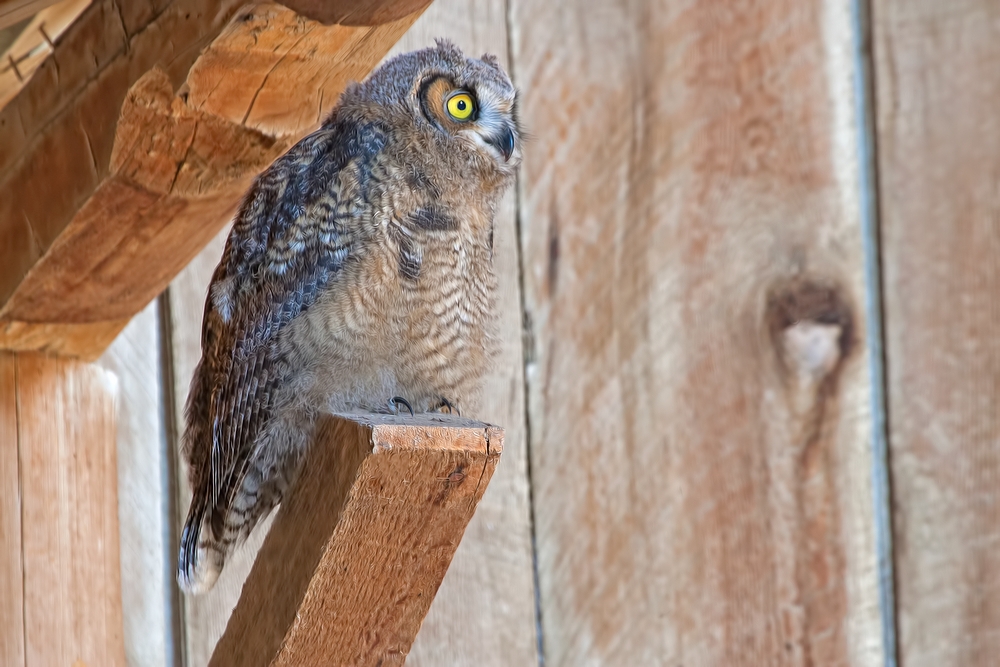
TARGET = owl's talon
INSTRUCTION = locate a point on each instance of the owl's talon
(396, 401)
(446, 404)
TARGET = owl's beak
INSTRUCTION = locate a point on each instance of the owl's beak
(503, 141)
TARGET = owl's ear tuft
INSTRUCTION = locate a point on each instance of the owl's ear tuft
(491, 60)
(448, 46)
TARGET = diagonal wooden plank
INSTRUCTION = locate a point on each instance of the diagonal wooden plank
(359, 548)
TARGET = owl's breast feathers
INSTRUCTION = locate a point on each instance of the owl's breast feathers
(359, 268)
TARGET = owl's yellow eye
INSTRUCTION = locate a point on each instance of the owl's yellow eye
(460, 106)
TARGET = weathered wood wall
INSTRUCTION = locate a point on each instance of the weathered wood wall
(937, 75)
(685, 260)
(698, 384)
(144, 491)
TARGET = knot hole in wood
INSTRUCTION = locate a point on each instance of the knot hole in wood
(811, 325)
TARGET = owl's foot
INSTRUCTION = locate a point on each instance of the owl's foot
(445, 404)
(396, 401)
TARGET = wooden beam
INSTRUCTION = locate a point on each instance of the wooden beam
(139, 196)
(13, 11)
(34, 43)
(357, 552)
(351, 12)
(938, 139)
(62, 562)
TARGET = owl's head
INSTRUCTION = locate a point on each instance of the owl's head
(461, 104)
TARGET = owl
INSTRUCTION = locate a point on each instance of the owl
(358, 276)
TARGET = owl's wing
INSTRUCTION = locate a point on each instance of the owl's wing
(292, 235)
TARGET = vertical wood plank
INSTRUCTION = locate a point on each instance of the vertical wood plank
(143, 493)
(72, 585)
(484, 612)
(938, 134)
(698, 385)
(11, 567)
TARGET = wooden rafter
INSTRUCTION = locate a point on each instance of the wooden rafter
(130, 147)
(14, 11)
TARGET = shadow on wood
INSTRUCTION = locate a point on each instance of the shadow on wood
(358, 550)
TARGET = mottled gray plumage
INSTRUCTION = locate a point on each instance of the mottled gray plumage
(359, 269)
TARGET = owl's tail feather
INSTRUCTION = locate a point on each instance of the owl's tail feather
(201, 557)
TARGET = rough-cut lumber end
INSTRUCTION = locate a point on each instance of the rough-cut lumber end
(149, 148)
(358, 550)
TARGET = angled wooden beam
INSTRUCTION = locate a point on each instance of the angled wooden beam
(13, 11)
(357, 552)
(127, 150)
(33, 44)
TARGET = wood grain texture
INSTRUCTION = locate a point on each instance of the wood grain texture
(85, 341)
(13, 11)
(358, 549)
(938, 137)
(34, 42)
(162, 180)
(143, 493)
(698, 385)
(69, 512)
(351, 12)
(11, 565)
(57, 133)
(484, 614)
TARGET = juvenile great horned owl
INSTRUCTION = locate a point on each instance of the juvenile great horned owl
(358, 276)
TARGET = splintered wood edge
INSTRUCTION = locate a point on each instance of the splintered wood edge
(70, 291)
(360, 546)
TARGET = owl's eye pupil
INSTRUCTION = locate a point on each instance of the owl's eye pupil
(460, 106)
